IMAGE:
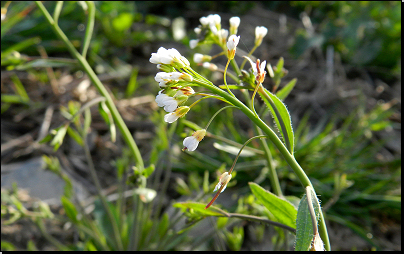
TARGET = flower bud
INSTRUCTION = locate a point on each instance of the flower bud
(231, 45)
(180, 112)
(223, 180)
(260, 32)
(210, 66)
(193, 43)
(165, 67)
(234, 23)
(191, 143)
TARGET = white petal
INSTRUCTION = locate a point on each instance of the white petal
(224, 188)
(193, 43)
(235, 21)
(217, 187)
(204, 21)
(198, 58)
(170, 118)
(160, 99)
(262, 67)
(191, 143)
(170, 105)
(233, 41)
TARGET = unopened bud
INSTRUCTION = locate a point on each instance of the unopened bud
(210, 66)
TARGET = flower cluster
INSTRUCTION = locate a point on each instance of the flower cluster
(176, 76)
(174, 83)
(210, 30)
(174, 80)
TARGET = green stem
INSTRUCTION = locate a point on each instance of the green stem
(273, 176)
(241, 149)
(290, 159)
(235, 67)
(255, 218)
(103, 91)
(220, 110)
(224, 78)
(89, 28)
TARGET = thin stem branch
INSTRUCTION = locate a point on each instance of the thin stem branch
(256, 218)
(96, 81)
(89, 28)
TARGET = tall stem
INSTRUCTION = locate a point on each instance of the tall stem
(95, 80)
(290, 159)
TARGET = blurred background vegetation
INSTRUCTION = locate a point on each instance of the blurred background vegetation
(346, 114)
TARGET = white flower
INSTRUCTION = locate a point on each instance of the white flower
(197, 30)
(168, 102)
(234, 22)
(223, 180)
(258, 69)
(204, 21)
(187, 91)
(180, 112)
(215, 19)
(260, 32)
(164, 77)
(191, 143)
(169, 56)
(232, 42)
(198, 58)
(193, 43)
(223, 34)
(210, 66)
(170, 118)
(213, 28)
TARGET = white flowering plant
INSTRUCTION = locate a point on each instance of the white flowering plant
(179, 83)
(179, 75)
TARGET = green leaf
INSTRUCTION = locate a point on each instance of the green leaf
(282, 210)
(199, 209)
(87, 120)
(123, 21)
(19, 46)
(222, 222)
(45, 63)
(60, 134)
(75, 135)
(7, 246)
(13, 98)
(20, 90)
(281, 115)
(233, 150)
(284, 92)
(163, 225)
(31, 246)
(70, 209)
(20, 207)
(106, 114)
(132, 84)
(304, 225)
(148, 171)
